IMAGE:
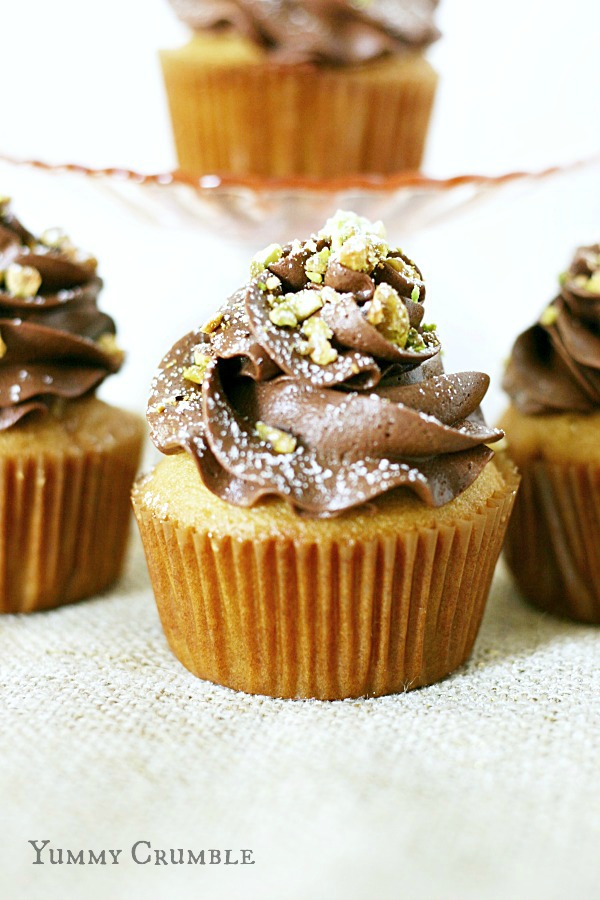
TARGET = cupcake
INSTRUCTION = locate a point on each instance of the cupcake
(553, 430)
(295, 87)
(328, 516)
(67, 460)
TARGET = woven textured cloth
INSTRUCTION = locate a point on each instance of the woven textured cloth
(486, 785)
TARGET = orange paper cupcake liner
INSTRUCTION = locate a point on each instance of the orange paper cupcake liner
(272, 120)
(553, 541)
(328, 620)
(64, 524)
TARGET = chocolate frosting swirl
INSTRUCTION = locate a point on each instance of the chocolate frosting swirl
(54, 342)
(335, 32)
(555, 364)
(349, 402)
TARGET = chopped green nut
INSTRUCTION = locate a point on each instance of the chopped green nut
(549, 316)
(329, 294)
(563, 278)
(344, 225)
(593, 283)
(318, 345)
(314, 277)
(264, 258)
(272, 283)
(406, 269)
(108, 343)
(22, 281)
(361, 253)
(323, 354)
(212, 324)
(196, 371)
(387, 312)
(283, 316)
(415, 294)
(429, 328)
(56, 239)
(304, 303)
(317, 263)
(414, 341)
(280, 441)
(201, 359)
(317, 328)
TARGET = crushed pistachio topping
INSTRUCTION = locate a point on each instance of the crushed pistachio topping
(196, 371)
(414, 341)
(213, 323)
(280, 441)
(343, 225)
(22, 281)
(389, 315)
(415, 294)
(316, 265)
(563, 278)
(108, 343)
(549, 316)
(272, 283)
(283, 316)
(429, 328)
(293, 308)
(264, 258)
(55, 239)
(593, 283)
(3, 347)
(589, 283)
(317, 345)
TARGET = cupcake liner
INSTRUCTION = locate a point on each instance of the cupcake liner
(329, 619)
(552, 543)
(275, 120)
(64, 520)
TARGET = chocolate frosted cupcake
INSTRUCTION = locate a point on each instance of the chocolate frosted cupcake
(67, 460)
(553, 428)
(333, 524)
(295, 87)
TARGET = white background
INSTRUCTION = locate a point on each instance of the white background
(518, 83)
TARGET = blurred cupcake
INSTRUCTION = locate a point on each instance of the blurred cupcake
(298, 87)
(67, 460)
(553, 429)
(332, 526)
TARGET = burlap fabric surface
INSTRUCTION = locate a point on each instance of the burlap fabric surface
(484, 786)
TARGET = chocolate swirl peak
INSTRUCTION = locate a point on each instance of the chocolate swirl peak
(319, 383)
(334, 32)
(555, 364)
(54, 342)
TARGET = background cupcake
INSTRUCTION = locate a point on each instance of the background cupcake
(278, 88)
(67, 460)
(553, 429)
(333, 527)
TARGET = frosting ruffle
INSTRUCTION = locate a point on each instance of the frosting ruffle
(54, 342)
(555, 364)
(335, 32)
(324, 396)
